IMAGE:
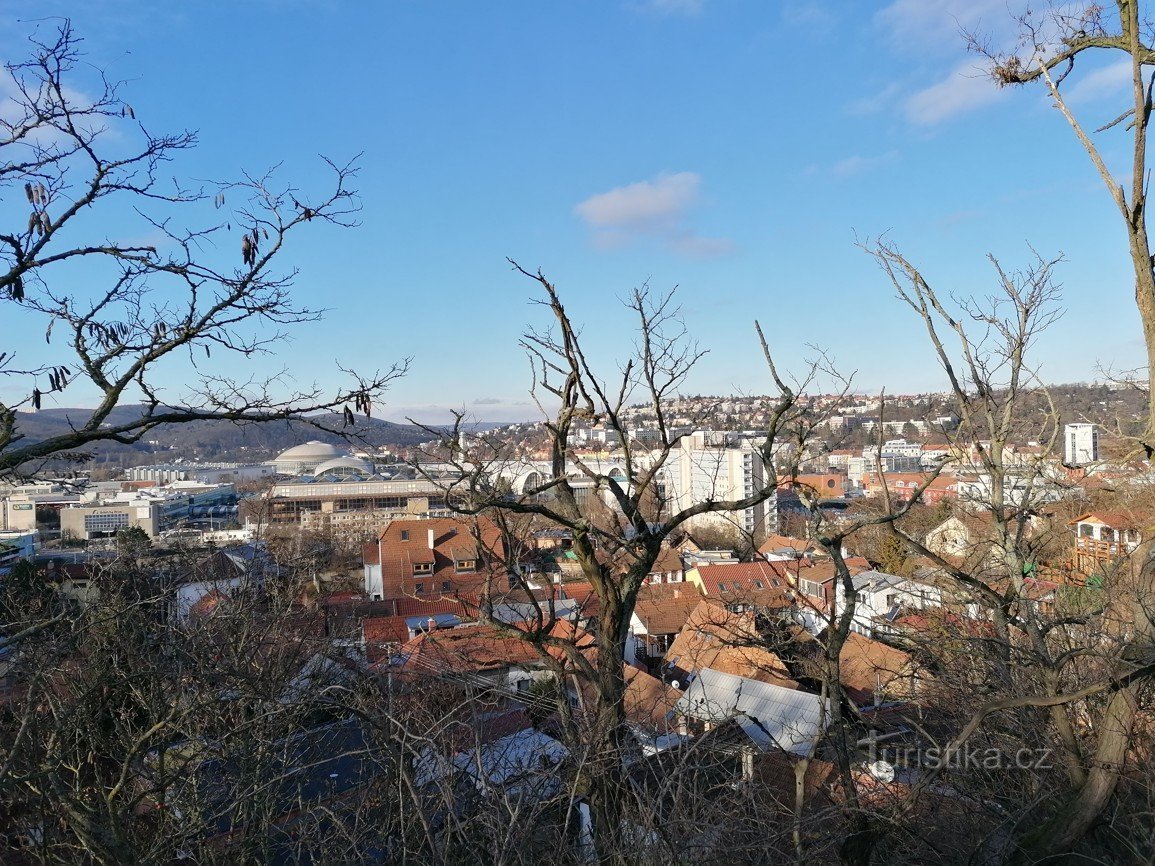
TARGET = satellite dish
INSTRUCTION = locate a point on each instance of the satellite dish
(675, 684)
(882, 771)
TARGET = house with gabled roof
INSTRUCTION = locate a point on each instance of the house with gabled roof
(818, 589)
(882, 598)
(725, 641)
(1102, 537)
(478, 652)
(746, 585)
(438, 558)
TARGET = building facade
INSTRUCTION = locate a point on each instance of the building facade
(713, 466)
(1080, 444)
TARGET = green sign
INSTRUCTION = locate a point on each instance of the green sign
(22, 506)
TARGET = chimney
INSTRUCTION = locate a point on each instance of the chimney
(432, 538)
(432, 623)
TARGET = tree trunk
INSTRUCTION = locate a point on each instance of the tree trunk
(607, 782)
(1145, 301)
(1063, 831)
(1071, 822)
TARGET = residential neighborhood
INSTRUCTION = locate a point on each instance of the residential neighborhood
(634, 433)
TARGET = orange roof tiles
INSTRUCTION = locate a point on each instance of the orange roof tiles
(762, 583)
(468, 648)
(867, 666)
(715, 638)
(663, 608)
(649, 702)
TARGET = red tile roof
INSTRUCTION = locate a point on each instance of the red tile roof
(663, 608)
(727, 642)
(469, 648)
(867, 666)
(786, 542)
(762, 583)
(649, 702)
(381, 634)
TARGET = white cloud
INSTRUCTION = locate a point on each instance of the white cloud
(1103, 82)
(645, 205)
(700, 247)
(808, 14)
(965, 89)
(657, 208)
(935, 25)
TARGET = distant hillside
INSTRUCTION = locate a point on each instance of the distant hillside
(212, 440)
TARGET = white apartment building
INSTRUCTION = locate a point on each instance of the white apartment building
(1081, 444)
(714, 466)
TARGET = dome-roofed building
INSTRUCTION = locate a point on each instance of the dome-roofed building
(304, 459)
(344, 467)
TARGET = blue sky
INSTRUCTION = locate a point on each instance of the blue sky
(734, 148)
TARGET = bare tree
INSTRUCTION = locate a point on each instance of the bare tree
(1050, 44)
(143, 306)
(1075, 674)
(616, 543)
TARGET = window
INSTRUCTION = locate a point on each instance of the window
(108, 521)
(812, 588)
(758, 584)
(722, 587)
(466, 565)
(445, 586)
(419, 587)
(404, 534)
(423, 568)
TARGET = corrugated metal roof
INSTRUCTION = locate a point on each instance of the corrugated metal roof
(770, 715)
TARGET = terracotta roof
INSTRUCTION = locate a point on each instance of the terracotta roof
(469, 648)
(480, 647)
(761, 583)
(380, 632)
(669, 560)
(774, 772)
(649, 702)
(821, 572)
(663, 608)
(428, 607)
(1113, 519)
(786, 542)
(726, 642)
(405, 544)
(869, 665)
